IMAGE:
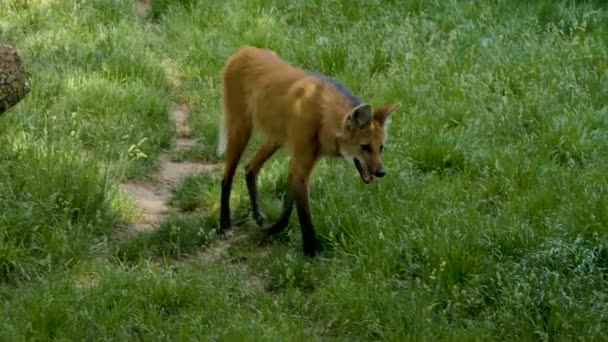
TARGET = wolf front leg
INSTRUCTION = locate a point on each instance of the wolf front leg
(298, 192)
(300, 170)
(301, 194)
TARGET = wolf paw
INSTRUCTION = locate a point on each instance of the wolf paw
(260, 218)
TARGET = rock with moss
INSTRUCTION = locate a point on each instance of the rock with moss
(14, 85)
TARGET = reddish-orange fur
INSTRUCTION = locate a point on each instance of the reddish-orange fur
(294, 109)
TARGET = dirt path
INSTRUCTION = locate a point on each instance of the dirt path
(152, 197)
(141, 7)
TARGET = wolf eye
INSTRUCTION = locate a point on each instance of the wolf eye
(366, 147)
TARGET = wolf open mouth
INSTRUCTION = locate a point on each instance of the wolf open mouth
(366, 176)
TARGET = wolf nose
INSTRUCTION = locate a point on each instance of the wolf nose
(380, 172)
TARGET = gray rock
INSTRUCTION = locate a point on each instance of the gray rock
(14, 85)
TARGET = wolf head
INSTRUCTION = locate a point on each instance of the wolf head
(363, 138)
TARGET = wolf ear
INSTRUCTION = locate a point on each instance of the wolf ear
(360, 116)
(383, 114)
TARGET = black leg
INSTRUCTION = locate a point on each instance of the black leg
(309, 242)
(264, 152)
(225, 207)
(281, 223)
(258, 215)
(299, 174)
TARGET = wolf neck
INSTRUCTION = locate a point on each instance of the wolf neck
(354, 101)
(334, 111)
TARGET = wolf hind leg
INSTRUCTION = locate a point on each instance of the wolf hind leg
(235, 132)
(263, 153)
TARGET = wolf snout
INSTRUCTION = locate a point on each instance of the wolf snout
(380, 172)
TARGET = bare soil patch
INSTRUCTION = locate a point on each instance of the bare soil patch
(141, 7)
(152, 197)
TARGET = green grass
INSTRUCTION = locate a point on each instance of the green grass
(491, 223)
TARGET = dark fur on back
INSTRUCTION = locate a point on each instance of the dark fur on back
(355, 101)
